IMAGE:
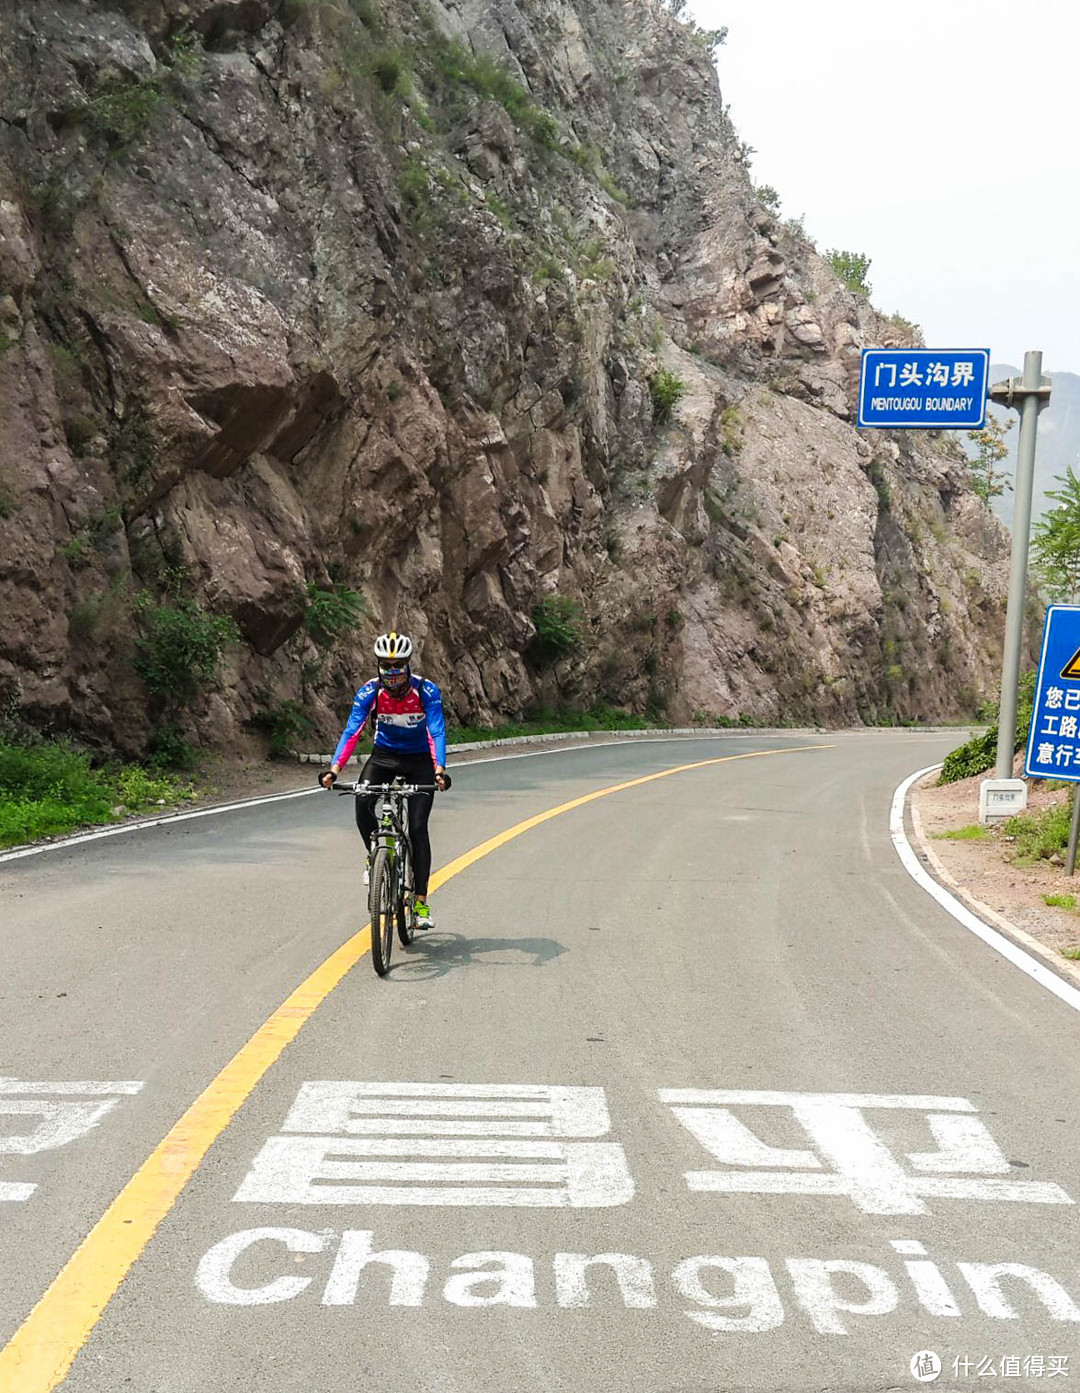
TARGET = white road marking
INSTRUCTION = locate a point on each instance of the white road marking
(812, 1279)
(1036, 970)
(513, 1144)
(847, 1155)
(58, 1123)
(40, 1088)
(752, 1285)
(757, 1097)
(984, 1279)
(723, 1294)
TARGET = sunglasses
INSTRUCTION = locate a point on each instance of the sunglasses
(393, 671)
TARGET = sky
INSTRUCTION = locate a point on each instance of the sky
(941, 139)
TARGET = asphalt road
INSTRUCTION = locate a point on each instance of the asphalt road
(705, 1028)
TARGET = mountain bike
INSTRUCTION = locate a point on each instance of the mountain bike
(390, 889)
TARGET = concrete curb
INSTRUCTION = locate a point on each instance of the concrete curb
(1055, 962)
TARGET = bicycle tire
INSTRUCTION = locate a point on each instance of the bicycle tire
(381, 908)
(406, 932)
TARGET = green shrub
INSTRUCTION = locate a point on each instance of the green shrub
(1060, 901)
(731, 431)
(612, 189)
(330, 613)
(186, 52)
(76, 552)
(979, 754)
(414, 186)
(79, 431)
(560, 628)
(168, 749)
(49, 787)
(667, 390)
(285, 725)
(132, 447)
(851, 268)
(1038, 837)
(122, 110)
(180, 649)
(86, 616)
(390, 69)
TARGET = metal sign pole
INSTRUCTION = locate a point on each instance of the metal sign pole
(1033, 397)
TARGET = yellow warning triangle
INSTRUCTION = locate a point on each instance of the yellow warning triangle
(1072, 667)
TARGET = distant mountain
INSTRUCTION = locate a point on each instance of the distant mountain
(1058, 440)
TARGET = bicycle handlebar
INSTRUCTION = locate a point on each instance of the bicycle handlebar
(365, 788)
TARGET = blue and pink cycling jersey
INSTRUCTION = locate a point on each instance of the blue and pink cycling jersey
(408, 725)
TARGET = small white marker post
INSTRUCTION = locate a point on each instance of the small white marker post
(1003, 796)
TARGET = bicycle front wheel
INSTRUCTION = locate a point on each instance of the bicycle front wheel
(405, 896)
(381, 907)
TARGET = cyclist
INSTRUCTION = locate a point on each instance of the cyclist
(410, 740)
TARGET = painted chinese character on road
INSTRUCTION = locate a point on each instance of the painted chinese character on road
(442, 1144)
(842, 1154)
(41, 1116)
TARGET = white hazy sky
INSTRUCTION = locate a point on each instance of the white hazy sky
(941, 139)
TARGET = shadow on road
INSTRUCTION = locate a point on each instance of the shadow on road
(435, 954)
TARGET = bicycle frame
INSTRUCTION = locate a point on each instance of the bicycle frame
(391, 831)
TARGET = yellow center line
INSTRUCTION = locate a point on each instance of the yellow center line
(42, 1350)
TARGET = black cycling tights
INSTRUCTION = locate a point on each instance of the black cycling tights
(384, 767)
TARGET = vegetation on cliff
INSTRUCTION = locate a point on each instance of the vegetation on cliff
(330, 318)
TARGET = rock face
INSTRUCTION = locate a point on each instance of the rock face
(296, 295)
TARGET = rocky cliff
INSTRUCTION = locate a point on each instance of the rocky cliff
(302, 300)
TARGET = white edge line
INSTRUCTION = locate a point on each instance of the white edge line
(1036, 970)
(169, 818)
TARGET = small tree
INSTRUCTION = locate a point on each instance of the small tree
(987, 480)
(560, 628)
(768, 198)
(667, 390)
(851, 267)
(1057, 541)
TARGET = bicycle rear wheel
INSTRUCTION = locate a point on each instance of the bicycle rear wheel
(381, 907)
(405, 896)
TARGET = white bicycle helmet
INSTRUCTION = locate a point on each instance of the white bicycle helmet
(393, 647)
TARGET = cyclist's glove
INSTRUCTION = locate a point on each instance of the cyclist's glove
(333, 778)
(447, 781)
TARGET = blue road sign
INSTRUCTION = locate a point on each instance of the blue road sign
(1053, 750)
(924, 388)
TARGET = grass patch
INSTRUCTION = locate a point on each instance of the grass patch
(612, 189)
(1073, 953)
(974, 832)
(494, 83)
(1060, 901)
(1040, 836)
(50, 788)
